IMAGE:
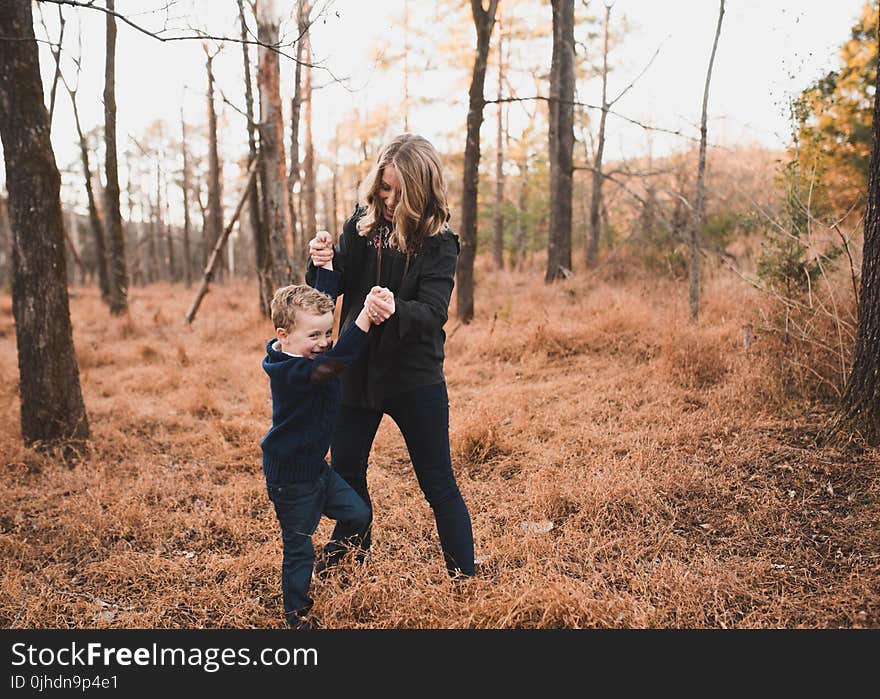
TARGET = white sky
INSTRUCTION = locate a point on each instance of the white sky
(769, 50)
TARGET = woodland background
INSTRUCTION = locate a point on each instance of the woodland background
(641, 441)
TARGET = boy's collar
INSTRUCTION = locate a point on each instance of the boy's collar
(276, 346)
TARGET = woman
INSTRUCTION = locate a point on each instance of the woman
(400, 240)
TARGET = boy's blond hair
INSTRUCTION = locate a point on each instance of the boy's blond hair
(297, 297)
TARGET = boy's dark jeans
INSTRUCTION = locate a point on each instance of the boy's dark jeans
(299, 507)
(423, 418)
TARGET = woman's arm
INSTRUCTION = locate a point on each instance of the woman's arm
(429, 310)
(340, 255)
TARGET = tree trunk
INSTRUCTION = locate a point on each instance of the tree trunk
(700, 203)
(309, 189)
(218, 246)
(56, 54)
(598, 179)
(169, 238)
(152, 251)
(71, 234)
(261, 235)
(300, 244)
(275, 189)
(498, 218)
(561, 140)
(332, 221)
(215, 180)
(483, 21)
(187, 222)
(52, 407)
(116, 262)
(860, 407)
(162, 261)
(94, 216)
(521, 232)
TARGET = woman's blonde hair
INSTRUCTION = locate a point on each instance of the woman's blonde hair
(422, 210)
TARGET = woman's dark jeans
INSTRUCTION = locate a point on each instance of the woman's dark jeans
(299, 507)
(422, 415)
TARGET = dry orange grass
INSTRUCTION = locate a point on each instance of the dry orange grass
(622, 467)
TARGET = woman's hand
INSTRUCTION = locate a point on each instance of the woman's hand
(379, 304)
(321, 250)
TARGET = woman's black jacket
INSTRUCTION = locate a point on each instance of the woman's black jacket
(406, 351)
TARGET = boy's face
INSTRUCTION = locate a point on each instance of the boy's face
(311, 335)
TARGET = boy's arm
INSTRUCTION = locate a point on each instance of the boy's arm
(340, 255)
(346, 350)
(300, 373)
(327, 280)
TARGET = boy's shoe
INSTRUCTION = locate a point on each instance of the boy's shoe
(304, 624)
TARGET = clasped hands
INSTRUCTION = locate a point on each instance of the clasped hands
(379, 303)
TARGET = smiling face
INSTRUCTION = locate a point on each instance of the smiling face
(389, 191)
(311, 335)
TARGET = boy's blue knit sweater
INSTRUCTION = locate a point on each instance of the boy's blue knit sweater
(305, 402)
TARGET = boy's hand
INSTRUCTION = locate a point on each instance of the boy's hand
(379, 304)
(363, 320)
(321, 250)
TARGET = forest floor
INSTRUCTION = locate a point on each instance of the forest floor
(622, 467)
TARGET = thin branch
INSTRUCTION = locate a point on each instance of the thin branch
(643, 71)
(21, 608)
(610, 177)
(198, 33)
(852, 270)
(56, 54)
(636, 122)
(238, 109)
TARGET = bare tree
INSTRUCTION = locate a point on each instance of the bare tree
(116, 267)
(498, 217)
(309, 188)
(215, 177)
(261, 234)
(56, 54)
(484, 20)
(52, 407)
(700, 203)
(296, 227)
(598, 176)
(275, 189)
(596, 193)
(187, 222)
(214, 257)
(94, 215)
(561, 140)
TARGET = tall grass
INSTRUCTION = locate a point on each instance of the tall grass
(622, 467)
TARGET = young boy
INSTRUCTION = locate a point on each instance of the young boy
(303, 368)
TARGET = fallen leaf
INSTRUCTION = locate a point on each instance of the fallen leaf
(536, 527)
(107, 615)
